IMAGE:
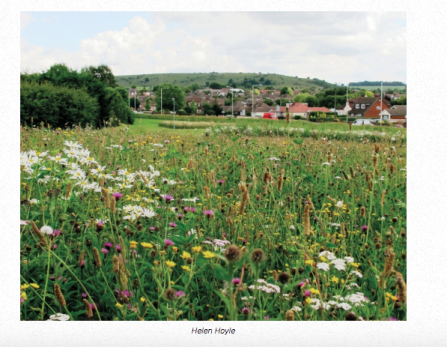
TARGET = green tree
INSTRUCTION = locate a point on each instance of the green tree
(193, 107)
(268, 101)
(286, 91)
(215, 85)
(194, 87)
(103, 73)
(133, 86)
(217, 109)
(256, 91)
(169, 92)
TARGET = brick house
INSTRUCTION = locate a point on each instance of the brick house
(303, 110)
(367, 107)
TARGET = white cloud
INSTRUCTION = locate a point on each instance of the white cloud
(335, 46)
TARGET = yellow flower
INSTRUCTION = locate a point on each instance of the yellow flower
(314, 291)
(186, 255)
(220, 316)
(142, 299)
(156, 262)
(175, 249)
(308, 301)
(186, 268)
(24, 286)
(23, 295)
(170, 263)
(309, 262)
(163, 252)
(133, 244)
(34, 285)
(342, 281)
(323, 259)
(171, 282)
(208, 255)
(356, 265)
(118, 305)
(334, 279)
(197, 249)
(146, 244)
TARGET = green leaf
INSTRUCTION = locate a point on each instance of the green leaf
(221, 273)
(185, 279)
(298, 141)
(224, 299)
(330, 245)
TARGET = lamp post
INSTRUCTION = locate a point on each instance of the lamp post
(232, 94)
(381, 97)
(174, 112)
(252, 97)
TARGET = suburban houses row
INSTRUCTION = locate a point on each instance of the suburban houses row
(365, 107)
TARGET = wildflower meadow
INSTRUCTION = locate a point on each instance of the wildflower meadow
(233, 224)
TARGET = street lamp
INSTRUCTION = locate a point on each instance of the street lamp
(162, 99)
(252, 97)
(174, 112)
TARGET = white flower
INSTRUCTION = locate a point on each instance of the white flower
(59, 317)
(340, 204)
(274, 158)
(345, 306)
(292, 227)
(296, 309)
(349, 259)
(338, 177)
(393, 139)
(323, 266)
(358, 274)
(47, 230)
(328, 255)
(339, 264)
(326, 163)
(192, 199)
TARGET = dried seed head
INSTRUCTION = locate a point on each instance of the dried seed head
(58, 294)
(96, 257)
(88, 309)
(68, 190)
(232, 253)
(113, 205)
(284, 277)
(257, 256)
(362, 211)
(401, 287)
(116, 264)
(351, 316)
(275, 275)
(290, 316)
(171, 294)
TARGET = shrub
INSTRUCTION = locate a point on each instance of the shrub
(182, 113)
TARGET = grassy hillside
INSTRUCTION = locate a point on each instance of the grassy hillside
(186, 79)
(398, 87)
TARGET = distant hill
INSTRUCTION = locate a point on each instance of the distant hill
(224, 79)
(377, 84)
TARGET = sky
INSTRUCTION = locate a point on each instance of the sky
(339, 47)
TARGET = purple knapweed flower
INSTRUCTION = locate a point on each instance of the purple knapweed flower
(118, 248)
(364, 227)
(266, 317)
(108, 245)
(167, 141)
(84, 295)
(169, 242)
(245, 311)
(208, 213)
(172, 225)
(180, 293)
(307, 293)
(105, 251)
(152, 228)
(168, 198)
(236, 281)
(221, 182)
(117, 196)
(301, 284)
(56, 232)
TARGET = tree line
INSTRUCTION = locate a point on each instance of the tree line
(64, 97)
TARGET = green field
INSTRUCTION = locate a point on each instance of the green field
(186, 79)
(143, 126)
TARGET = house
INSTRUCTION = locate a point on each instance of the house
(260, 110)
(368, 107)
(238, 109)
(397, 113)
(303, 110)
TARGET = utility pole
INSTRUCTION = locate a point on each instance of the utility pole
(161, 106)
(252, 97)
(347, 100)
(174, 112)
(381, 97)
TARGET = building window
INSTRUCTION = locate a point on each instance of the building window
(363, 106)
(357, 106)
